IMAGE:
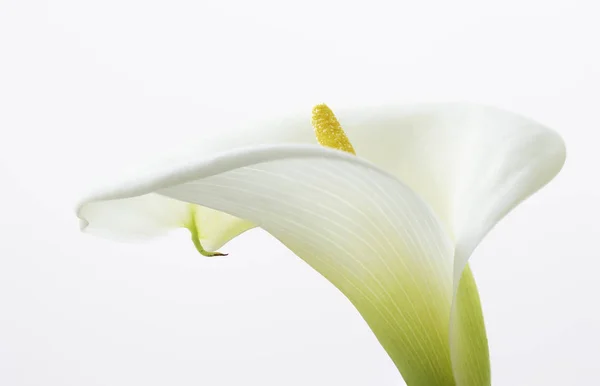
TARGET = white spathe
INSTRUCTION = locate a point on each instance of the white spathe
(392, 228)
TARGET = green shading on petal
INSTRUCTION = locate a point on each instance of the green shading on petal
(193, 227)
(468, 339)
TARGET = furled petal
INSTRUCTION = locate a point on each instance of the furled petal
(470, 164)
(362, 229)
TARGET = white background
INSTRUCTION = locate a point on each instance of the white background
(88, 86)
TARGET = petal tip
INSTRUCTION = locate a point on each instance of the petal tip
(83, 224)
(83, 221)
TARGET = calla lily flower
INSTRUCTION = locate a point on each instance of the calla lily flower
(389, 209)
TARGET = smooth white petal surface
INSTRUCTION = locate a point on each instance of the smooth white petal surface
(362, 229)
(470, 165)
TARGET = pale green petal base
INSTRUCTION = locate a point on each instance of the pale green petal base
(468, 338)
(468, 361)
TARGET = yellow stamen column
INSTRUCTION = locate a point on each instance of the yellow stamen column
(328, 130)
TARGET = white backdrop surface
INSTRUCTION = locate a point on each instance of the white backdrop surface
(87, 87)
